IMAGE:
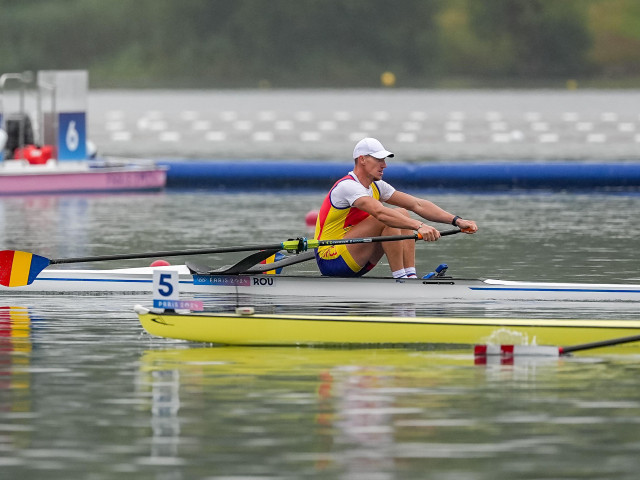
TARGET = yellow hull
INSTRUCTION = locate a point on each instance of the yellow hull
(272, 329)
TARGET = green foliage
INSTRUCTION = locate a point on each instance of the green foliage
(543, 37)
(616, 30)
(315, 43)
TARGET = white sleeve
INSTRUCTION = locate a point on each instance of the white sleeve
(347, 192)
(386, 190)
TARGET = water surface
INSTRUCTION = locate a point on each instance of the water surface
(84, 393)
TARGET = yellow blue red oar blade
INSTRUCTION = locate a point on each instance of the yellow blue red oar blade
(20, 268)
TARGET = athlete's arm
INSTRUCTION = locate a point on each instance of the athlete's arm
(394, 218)
(429, 210)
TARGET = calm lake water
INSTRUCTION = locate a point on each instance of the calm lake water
(85, 393)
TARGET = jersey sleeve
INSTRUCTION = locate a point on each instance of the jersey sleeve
(386, 190)
(347, 192)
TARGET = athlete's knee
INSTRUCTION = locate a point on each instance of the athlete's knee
(391, 231)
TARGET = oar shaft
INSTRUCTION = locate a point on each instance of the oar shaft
(603, 343)
(166, 253)
(388, 238)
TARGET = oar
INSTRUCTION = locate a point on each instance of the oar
(285, 262)
(547, 350)
(250, 264)
(21, 268)
(603, 343)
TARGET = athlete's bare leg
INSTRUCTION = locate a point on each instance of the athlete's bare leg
(400, 254)
(409, 250)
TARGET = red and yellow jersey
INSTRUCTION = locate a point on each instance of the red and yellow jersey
(335, 219)
(337, 213)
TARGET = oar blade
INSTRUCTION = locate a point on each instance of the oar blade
(18, 269)
(248, 262)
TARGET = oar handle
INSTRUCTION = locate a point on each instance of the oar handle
(442, 234)
(450, 232)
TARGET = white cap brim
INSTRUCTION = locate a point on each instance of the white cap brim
(381, 154)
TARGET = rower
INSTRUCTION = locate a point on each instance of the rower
(354, 207)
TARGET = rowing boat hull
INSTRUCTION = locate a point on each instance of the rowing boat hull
(261, 329)
(74, 177)
(140, 280)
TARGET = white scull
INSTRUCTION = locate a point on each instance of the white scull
(139, 280)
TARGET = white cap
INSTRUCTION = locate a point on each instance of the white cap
(371, 146)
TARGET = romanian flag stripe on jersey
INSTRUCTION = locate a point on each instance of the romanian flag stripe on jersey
(333, 222)
(20, 268)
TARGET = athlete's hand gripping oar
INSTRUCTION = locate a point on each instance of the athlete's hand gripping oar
(21, 268)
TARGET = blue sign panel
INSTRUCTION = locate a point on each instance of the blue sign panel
(72, 136)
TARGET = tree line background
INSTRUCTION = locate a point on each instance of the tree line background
(326, 43)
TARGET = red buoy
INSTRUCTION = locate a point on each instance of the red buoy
(311, 218)
(159, 263)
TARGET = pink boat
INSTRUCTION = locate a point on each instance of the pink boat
(55, 157)
(74, 177)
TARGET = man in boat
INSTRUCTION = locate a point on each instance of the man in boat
(354, 208)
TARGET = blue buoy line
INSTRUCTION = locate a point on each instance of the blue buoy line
(482, 176)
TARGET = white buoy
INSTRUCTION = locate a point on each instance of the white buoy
(516, 350)
(245, 310)
(92, 150)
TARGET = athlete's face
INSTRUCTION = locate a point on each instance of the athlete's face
(375, 166)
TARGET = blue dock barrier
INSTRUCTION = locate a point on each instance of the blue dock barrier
(483, 176)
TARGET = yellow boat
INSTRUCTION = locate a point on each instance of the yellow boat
(248, 328)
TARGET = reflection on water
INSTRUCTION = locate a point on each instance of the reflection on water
(165, 395)
(460, 308)
(84, 390)
(382, 413)
(15, 350)
(55, 225)
(15, 377)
